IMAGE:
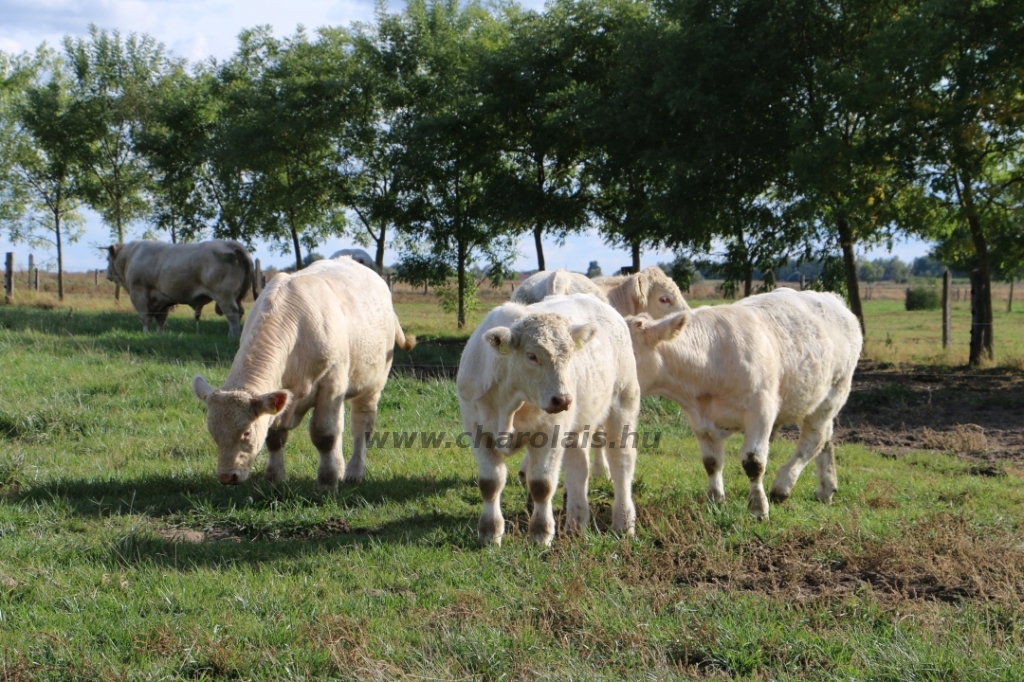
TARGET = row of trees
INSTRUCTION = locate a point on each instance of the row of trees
(754, 131)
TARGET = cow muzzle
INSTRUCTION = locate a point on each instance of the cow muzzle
(558, 403)
(232, 477)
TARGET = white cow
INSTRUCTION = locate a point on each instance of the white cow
(359, 256)
(157, 276)
(767, 361)
(539, 376)
(555, 282)
(313, 340)
(650, 291)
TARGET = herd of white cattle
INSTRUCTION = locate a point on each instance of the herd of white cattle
(566, 355)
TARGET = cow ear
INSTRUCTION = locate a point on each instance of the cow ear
(583, 333)
(558, 283)
(271, 403)
(499, 338)
(667, 328)
(202, 389)
(641, 287)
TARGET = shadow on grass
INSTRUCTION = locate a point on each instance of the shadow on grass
(117, 333)
(163, 496)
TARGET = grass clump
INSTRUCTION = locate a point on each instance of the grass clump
(922, 298)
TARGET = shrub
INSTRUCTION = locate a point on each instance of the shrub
(922, 298)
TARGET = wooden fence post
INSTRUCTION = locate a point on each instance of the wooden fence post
(947, 307)
(36, 278)
(1009, 301)
(96, 277)
(31, 267)
(9, 277)
(803, 282)
(257, 279)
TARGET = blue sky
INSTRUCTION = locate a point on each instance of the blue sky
(197, 29)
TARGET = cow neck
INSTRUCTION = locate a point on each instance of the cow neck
(262, 359)
(685, 358)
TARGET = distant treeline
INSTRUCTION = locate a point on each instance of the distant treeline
(748, 133)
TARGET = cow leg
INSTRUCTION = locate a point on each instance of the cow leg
(577, 475)
(325, 431)
(755, 461)
(233, 312)
(493, 472)
(541, 481)
(161, 320)
(364, 417)
(825, 464)
(622, 463)
(712, 452)
(140, 301)
(600, 469)
(276, 440)
(812, 436)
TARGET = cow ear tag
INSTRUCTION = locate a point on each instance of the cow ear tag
(503, 349)
(579, 344)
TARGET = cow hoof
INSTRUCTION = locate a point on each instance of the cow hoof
(778, 496)
(522, 478)
(488, 533)
(716, 496)
(825, 497)
(327, 479)
(274, 475)
(541, 539)
(489, 540)
(758, 507)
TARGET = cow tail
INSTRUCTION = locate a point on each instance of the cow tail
(404, 342)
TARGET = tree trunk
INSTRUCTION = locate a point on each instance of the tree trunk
(174, 234)
(1009, 301)
(379, 260)
(981, 300)
(462, 284)
(850, 268)
(120, 240)
(748, 280)
(296, 246)
(60, 257)
(636, 256)
(538, 232)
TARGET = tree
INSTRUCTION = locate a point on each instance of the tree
(594, 269)
(111, 89)
(43, 157)
(530, 86)
(284, 102)
(958, 66)
(447, 158)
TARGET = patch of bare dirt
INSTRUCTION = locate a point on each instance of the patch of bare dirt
(976, 414)
(941, 560)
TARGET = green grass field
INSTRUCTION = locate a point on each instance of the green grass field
(121, 557)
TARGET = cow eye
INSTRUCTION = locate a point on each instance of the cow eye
(531, 357)
(665, 300)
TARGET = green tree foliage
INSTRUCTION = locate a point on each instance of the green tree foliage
(958, 66)
(42, 150)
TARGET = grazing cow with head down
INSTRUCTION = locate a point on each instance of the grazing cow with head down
(553, 283)
(157, 276)
(538, 376)
(650, 291)
(764, 362)
(313, 340)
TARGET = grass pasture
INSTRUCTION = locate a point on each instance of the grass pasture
(121, 557)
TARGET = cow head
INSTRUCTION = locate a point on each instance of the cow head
(538, 348)
(658, 294)
(113, 272)
(238, 422)
(646, 334)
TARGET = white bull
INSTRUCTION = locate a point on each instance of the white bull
(767, 361)
(158, 276)
(539, 376)
(313, 341)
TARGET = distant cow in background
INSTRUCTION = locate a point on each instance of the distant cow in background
(552, 283)
(158, 276)
(359, 256)
(650, 291)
